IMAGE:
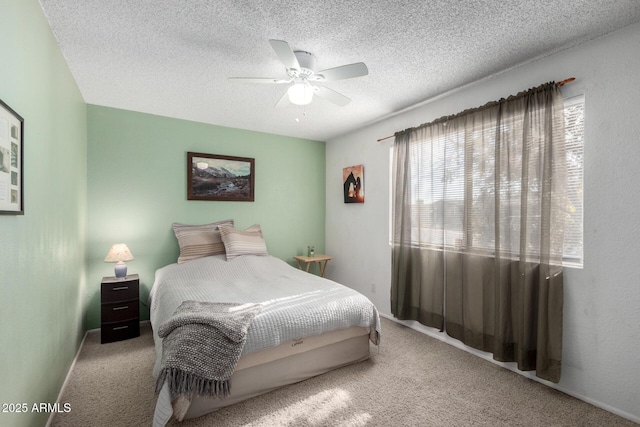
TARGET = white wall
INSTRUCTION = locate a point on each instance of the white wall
(602, 300)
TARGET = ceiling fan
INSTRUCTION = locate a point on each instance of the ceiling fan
(303, 77)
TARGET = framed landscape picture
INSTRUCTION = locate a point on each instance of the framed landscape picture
(353, 182)
(221, 178)
(11, 172)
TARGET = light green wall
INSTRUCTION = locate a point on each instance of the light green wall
(137, 187)
(42, 254)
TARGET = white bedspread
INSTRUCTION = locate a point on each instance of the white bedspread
(296, 304)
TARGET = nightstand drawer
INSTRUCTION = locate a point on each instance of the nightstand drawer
(119, 331)
(119, 311)
(119, 291)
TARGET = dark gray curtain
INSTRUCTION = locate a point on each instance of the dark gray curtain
(417, 271)
(479, 203)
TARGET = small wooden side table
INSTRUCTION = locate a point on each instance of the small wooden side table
(308, 260)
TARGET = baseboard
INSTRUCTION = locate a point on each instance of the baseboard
(73, 364)
(66, 380)
(441, 336)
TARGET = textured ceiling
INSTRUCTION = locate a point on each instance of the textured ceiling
(173, 57)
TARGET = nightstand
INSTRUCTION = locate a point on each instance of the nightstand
(319, 258)
(120, 308)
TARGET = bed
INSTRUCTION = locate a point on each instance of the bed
(307, 325)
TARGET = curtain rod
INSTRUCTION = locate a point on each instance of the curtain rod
(561, 83)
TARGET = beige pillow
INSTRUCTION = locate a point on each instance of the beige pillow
(247, 242)
(197, 241)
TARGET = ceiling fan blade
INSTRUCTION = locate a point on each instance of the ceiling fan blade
(285, 53)
(344, 72)
(258, 80)
(331, 95)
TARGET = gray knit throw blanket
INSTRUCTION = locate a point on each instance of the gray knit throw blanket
(201, 345)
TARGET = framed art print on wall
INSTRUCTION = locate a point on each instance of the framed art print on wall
(222, 178)
(353, 183)
(11, 164)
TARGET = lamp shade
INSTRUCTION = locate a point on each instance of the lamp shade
(300, 94)
(119, 252)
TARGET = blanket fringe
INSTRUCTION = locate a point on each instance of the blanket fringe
(189, 384)
(374, 336)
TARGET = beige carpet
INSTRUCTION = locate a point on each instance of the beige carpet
(414, 380)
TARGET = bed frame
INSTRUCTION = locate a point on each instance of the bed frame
(288, 363)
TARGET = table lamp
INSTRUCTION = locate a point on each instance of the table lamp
(119, 253)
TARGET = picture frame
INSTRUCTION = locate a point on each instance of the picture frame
(11, 161)
(220, 178)
(353, 184)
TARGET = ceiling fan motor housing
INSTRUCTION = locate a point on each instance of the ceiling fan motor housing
(307, 62)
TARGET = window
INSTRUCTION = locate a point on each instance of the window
(574, 135)
(440, 220)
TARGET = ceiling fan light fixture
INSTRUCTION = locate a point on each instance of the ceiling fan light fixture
(300, 94)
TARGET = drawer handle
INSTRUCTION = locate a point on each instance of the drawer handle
(121, 288)
(120, 327)
(124, 307)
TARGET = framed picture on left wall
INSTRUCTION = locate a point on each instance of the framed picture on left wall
(11, 171)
